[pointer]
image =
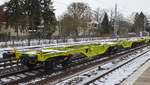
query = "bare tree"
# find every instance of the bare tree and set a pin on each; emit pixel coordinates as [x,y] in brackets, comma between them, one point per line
[81,15]
[97,16]
[125,27]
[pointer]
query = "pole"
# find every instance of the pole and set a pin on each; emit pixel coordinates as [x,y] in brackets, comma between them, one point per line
[115,22]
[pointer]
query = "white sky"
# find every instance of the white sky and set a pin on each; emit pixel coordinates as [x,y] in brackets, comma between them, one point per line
[125,6]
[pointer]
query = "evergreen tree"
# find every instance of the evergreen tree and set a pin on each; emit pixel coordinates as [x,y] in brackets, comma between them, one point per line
[135,25]
[48,16]
[14,15]
[139,21]
[33,14]
[147,28]
[142,20]
[106,27]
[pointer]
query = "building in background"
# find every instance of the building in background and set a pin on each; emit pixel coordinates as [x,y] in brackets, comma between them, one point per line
[7,30]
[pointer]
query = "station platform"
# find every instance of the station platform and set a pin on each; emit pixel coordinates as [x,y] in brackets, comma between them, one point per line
[144,79]
[140,77]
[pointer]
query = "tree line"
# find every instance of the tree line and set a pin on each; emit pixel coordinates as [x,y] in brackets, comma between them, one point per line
[79,16]
[37,17]
[31,16]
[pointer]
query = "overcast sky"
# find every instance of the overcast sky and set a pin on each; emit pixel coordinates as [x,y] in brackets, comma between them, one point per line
[124,6]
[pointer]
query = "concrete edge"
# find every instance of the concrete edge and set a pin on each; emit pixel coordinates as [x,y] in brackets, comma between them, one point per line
[131,80]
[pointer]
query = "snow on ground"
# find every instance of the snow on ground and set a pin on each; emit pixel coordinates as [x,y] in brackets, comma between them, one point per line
[43,41]
[113,78]
[117,76]
[39,79]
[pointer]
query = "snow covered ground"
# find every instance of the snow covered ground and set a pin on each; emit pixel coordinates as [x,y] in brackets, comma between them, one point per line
[54,41]
[46,41]
[113,78]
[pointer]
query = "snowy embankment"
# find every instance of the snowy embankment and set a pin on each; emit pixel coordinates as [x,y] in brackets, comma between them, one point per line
[47,41]
[114,78]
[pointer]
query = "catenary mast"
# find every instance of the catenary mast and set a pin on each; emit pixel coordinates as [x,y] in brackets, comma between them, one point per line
[115,22]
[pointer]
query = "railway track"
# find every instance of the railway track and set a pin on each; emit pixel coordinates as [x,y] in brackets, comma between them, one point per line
[6,63]
[24,75]
[93,81]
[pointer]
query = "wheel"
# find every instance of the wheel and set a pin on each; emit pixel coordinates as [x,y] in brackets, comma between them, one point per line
[50,64]
[5,56]
[8,55]
[67,60]
[66,63]
[25,60]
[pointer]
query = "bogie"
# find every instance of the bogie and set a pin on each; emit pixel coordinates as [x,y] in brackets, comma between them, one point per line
[52,63]
[8,55]
[29,61]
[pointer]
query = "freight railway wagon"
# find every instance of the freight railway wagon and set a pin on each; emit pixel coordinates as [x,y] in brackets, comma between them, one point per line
[50,57]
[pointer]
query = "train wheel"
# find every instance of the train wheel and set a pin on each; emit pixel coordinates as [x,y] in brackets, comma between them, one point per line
[50,64]
[8,55]
[66,63]
[25,60]
[67,60]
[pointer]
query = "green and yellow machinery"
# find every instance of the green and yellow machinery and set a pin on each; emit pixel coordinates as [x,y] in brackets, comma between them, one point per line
[61,55]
